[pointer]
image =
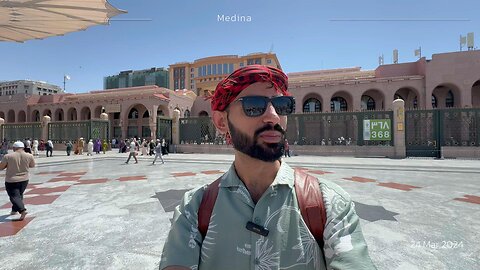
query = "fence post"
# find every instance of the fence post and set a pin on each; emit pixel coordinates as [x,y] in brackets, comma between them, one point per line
[398,129]
[45,121]
[176,127]
[2,121]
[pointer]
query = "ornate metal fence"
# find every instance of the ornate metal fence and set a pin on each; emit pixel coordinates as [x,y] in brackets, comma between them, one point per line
[198,130]
[164,129]
[428,130]
[14,132]
[302,129]
[344,128]
[61,132]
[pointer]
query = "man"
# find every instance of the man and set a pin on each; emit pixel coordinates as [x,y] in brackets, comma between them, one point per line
[250,107]
[49,148]
[16,177]
[158,152]
[133,152]
[28,146]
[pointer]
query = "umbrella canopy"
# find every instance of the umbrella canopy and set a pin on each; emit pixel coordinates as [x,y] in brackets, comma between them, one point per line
[22,20]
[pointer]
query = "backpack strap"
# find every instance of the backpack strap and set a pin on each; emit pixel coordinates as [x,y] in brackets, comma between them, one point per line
[206,206]
[310,202]
[309,197]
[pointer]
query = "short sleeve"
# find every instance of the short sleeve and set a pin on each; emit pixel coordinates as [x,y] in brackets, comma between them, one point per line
[345,246]
[184,241]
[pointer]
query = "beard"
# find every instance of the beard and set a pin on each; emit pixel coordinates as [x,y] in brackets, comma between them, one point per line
[269,152]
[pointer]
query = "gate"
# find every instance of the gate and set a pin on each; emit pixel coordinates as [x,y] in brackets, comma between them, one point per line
[422,133]
[428,130]
[61,132]
[14,132]
[164,129]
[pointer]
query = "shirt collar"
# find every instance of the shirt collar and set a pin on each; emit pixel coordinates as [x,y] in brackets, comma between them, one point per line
[285,176]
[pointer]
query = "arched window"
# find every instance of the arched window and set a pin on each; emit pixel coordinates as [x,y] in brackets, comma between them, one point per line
[133,114]
[186,114]
[203,113]
[434,101]
[146,114]
[312,105]
[449,101]
[338,104]
[368,103]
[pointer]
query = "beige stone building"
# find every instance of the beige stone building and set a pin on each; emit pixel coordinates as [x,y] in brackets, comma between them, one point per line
[203,75]
[446,80]
[132,111]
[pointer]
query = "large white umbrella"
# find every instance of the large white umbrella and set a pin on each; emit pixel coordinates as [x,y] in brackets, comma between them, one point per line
[22,20]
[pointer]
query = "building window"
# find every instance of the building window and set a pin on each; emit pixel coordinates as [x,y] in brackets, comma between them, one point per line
[199,72]
[230,68]
[219,68]
[434,101]
[192,70]
[214,69]
[241,64]
[338,104]
[269,61]
[368,103]
[225,68]
[133,114]
[312,105]
[209,69]
[449,101]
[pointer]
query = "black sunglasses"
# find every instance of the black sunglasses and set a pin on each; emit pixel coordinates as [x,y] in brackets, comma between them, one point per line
[254,106]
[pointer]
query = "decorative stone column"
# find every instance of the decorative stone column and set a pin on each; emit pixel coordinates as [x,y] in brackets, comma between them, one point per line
[2,121]
[45,120]
[176,127]
[398,128]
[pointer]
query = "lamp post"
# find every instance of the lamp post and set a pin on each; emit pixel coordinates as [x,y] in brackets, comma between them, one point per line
[65,78]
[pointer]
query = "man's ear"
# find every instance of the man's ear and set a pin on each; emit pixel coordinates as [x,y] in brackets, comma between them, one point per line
[220,121]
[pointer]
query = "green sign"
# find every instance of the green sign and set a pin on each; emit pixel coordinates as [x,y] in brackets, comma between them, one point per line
[377,130]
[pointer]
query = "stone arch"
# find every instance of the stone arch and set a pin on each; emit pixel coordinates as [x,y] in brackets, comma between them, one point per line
[409,95]
[372,99]
[136,127]
[312,103]
[203,113]
[476,94]
[72,114]
[97,111]
[85,113]
[59,115]
[22,117]
[341,101]
[47,112]
[447,95]
[35,116]
[2,115]
[11,116]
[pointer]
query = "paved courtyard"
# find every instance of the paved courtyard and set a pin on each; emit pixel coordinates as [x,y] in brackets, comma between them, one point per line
[99,213]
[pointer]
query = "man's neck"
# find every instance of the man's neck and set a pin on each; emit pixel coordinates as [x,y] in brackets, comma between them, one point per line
[257,175]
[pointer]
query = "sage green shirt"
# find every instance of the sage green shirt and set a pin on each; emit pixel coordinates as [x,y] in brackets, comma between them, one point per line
[289,244]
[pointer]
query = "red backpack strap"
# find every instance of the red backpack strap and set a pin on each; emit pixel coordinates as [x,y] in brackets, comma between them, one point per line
[206,206]
[310,202]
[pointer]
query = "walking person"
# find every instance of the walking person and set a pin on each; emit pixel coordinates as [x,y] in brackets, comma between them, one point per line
[4,148]
[104,146]
[17,176]
[69,147]
[49,147]
[286,147]
[158,152]
[97,146]
[35,147]
[81,144]
[133,153]
[90,147]
[262,213]
[151,146]
[28,146]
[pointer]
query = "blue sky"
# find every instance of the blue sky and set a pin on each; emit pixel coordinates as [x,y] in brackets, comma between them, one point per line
[305,35]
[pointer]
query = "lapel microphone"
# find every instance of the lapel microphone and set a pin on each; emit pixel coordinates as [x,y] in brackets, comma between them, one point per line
[258,229]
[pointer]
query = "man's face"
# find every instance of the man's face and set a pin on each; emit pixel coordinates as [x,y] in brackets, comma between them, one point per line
[259,137]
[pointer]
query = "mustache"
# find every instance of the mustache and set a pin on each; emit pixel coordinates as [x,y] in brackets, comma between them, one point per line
[267,127]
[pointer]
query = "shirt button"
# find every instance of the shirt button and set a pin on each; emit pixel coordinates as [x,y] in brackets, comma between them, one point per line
[257,220]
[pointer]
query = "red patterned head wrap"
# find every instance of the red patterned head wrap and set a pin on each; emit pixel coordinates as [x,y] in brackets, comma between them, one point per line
[229,88]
